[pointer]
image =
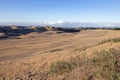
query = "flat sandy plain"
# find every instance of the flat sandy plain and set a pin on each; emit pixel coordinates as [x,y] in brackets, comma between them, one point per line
[30,57]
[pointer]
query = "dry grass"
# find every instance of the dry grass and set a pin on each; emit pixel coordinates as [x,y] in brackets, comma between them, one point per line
[103,66]
[70,56]
[111,40]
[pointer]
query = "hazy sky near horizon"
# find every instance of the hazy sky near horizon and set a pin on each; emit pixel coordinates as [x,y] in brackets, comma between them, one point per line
[59,10]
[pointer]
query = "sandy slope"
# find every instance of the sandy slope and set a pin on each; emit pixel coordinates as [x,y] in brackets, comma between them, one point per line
[37,51]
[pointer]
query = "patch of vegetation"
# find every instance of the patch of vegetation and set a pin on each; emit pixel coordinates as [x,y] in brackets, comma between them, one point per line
[116,28]
[104,64]
[111,40]
[60,67]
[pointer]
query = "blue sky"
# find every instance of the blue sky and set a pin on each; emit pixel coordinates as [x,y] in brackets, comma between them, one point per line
[59,10]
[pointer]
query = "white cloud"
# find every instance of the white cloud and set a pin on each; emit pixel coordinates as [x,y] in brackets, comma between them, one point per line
[60,21]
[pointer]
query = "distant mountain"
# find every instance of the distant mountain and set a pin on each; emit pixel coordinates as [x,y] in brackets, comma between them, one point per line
[78,24]
[16,31]
[64,24]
